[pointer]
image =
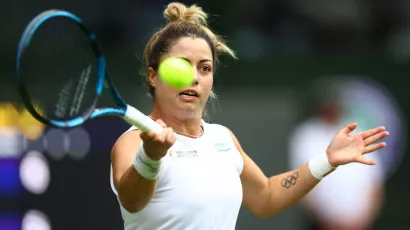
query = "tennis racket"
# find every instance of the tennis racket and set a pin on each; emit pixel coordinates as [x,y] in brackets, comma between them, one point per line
[61,74]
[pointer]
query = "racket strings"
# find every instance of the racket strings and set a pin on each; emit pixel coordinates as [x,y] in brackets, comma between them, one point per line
[59,69]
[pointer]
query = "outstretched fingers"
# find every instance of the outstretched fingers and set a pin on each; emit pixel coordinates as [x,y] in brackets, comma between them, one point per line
[374,147]
[375,137]
[371,132]
[349,128]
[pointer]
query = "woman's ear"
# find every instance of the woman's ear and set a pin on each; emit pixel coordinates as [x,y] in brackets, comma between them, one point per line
[152,77]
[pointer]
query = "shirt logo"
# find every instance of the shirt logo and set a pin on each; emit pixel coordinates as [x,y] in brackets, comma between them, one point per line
[222,147]
[185,153]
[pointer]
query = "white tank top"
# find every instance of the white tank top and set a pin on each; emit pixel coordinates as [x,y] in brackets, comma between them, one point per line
[199,187]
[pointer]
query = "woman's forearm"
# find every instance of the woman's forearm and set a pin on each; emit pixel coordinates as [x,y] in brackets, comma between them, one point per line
[288,188]
[134,191]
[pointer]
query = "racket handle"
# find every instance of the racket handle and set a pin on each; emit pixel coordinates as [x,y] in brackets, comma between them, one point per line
[134,117]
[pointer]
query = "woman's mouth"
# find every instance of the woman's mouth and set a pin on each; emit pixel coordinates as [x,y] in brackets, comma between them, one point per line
[189,95]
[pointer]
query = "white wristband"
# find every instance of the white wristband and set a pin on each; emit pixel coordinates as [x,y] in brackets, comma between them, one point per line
[146,167]
[320,167]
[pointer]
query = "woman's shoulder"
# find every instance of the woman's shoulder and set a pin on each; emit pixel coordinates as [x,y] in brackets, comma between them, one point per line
[130,137]
[217,129]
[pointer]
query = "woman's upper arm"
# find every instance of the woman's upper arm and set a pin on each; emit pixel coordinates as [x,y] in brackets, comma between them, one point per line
[254,182]
[122,154]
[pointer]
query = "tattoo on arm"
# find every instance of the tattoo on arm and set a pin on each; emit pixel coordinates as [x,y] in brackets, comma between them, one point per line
[290,180]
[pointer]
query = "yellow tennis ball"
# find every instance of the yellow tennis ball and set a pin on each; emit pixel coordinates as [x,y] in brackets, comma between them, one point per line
[176,72]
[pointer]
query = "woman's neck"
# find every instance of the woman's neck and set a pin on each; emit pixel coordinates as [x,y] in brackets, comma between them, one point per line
[189,126]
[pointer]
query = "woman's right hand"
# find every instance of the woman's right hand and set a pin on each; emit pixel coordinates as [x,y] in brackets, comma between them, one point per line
[156,145]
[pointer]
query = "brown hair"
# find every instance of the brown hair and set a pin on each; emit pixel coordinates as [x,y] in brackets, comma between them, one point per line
[182,21]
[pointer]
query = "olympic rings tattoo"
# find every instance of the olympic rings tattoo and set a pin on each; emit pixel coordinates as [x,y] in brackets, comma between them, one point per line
[290,180]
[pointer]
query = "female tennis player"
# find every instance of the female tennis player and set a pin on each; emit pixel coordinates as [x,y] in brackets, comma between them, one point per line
[195,175]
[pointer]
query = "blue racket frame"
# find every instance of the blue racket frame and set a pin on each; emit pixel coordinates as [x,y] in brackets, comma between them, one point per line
[102,76]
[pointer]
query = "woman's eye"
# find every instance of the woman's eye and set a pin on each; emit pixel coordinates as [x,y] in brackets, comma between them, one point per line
[206,68]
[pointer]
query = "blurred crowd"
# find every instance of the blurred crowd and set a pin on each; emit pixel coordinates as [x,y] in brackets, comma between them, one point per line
[352,197]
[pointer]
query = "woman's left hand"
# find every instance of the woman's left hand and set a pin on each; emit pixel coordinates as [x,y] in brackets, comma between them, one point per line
[345,148]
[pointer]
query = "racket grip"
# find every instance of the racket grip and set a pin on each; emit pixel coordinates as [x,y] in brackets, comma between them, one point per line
[136,118]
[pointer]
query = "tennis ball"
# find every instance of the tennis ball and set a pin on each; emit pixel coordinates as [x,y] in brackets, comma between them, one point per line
[176,72]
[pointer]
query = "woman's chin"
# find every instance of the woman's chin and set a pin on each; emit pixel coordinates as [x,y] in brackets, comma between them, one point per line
[189,111]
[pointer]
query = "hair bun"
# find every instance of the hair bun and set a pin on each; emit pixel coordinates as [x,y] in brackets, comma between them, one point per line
[177,11]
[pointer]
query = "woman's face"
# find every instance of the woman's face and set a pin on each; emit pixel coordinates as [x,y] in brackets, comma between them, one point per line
[190,101]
